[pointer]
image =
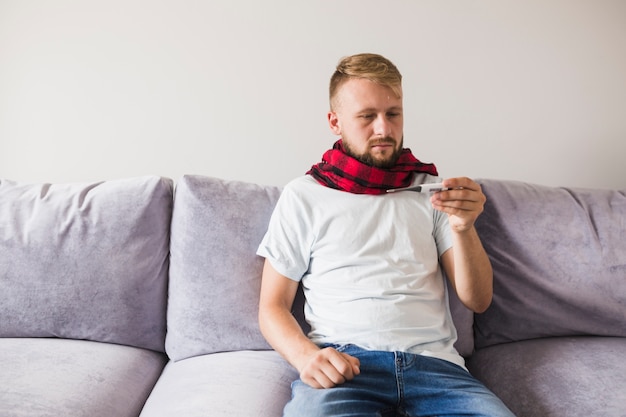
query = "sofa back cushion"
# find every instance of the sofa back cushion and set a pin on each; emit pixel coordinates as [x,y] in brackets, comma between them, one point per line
[559,260]
[85,261]
[215,274]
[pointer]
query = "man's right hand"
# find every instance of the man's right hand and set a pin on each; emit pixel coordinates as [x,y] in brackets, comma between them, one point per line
[328,368]
[319,368]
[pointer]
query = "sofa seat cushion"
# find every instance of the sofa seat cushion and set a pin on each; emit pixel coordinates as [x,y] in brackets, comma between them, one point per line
[242,384]
[61,377]
[566,376]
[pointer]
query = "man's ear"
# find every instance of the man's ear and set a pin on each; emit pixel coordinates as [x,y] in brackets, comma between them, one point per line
[333,122]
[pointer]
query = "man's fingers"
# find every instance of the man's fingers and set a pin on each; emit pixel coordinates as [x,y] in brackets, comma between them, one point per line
[461,183]
[329,368]
[465,195]
[355,362]
[463,203]
[346,365]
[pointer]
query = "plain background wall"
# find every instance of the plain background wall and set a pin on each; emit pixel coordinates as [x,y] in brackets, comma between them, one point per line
[91,90]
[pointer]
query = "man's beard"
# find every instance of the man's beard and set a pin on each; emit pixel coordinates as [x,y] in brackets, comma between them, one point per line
[368,159]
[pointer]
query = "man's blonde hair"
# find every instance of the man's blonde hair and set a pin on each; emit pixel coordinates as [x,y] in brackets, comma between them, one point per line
[373,67]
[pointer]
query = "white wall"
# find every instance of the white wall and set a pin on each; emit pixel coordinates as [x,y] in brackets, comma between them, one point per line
[526,90]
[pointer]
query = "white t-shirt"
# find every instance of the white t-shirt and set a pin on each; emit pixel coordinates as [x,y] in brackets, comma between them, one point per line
[369,266]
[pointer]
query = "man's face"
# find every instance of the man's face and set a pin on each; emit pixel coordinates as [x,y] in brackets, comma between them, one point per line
[369,119]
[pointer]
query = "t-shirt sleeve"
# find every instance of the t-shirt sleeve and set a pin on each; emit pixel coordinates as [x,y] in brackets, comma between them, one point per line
[441,232]
[287,242]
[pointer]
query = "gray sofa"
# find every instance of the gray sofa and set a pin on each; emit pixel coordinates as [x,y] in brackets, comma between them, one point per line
[139,297]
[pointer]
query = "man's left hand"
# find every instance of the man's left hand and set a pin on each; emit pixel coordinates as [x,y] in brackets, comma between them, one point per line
[463,202]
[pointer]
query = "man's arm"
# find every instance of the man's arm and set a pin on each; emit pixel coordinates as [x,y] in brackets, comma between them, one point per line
[319,368]
[466,264]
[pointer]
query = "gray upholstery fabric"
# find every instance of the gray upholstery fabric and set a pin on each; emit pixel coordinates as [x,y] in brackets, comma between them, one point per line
[463,319]
[559,377]
[215,274]
[58,377]
[85,261]
[559,262]
[228,384]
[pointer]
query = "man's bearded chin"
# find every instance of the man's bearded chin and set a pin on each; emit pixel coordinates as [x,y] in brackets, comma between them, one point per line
[368,159]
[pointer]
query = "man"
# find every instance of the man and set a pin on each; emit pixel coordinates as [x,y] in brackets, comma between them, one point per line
[381,339]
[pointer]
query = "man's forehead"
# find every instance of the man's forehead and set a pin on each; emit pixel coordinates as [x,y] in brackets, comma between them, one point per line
[365,94]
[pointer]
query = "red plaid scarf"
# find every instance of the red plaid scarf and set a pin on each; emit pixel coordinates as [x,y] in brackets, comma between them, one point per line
[343,172]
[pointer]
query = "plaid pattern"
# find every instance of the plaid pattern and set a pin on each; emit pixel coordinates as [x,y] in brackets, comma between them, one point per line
[340,171]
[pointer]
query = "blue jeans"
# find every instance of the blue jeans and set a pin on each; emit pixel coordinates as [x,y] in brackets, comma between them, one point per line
[398,384]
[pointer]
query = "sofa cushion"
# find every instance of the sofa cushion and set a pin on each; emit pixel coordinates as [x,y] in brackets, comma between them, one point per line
[559,260]
[563,376]
[215,274]
[59,377]
[85,261]
[463,319]
[226,384]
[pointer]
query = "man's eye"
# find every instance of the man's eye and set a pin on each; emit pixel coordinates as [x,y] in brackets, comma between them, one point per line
[393,114]
[367,116]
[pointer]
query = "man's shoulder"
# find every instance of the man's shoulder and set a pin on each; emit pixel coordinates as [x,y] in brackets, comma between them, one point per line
[301,181]
[304,185]
[298,189]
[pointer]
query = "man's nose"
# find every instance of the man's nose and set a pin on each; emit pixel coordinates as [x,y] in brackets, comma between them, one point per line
[382,126]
